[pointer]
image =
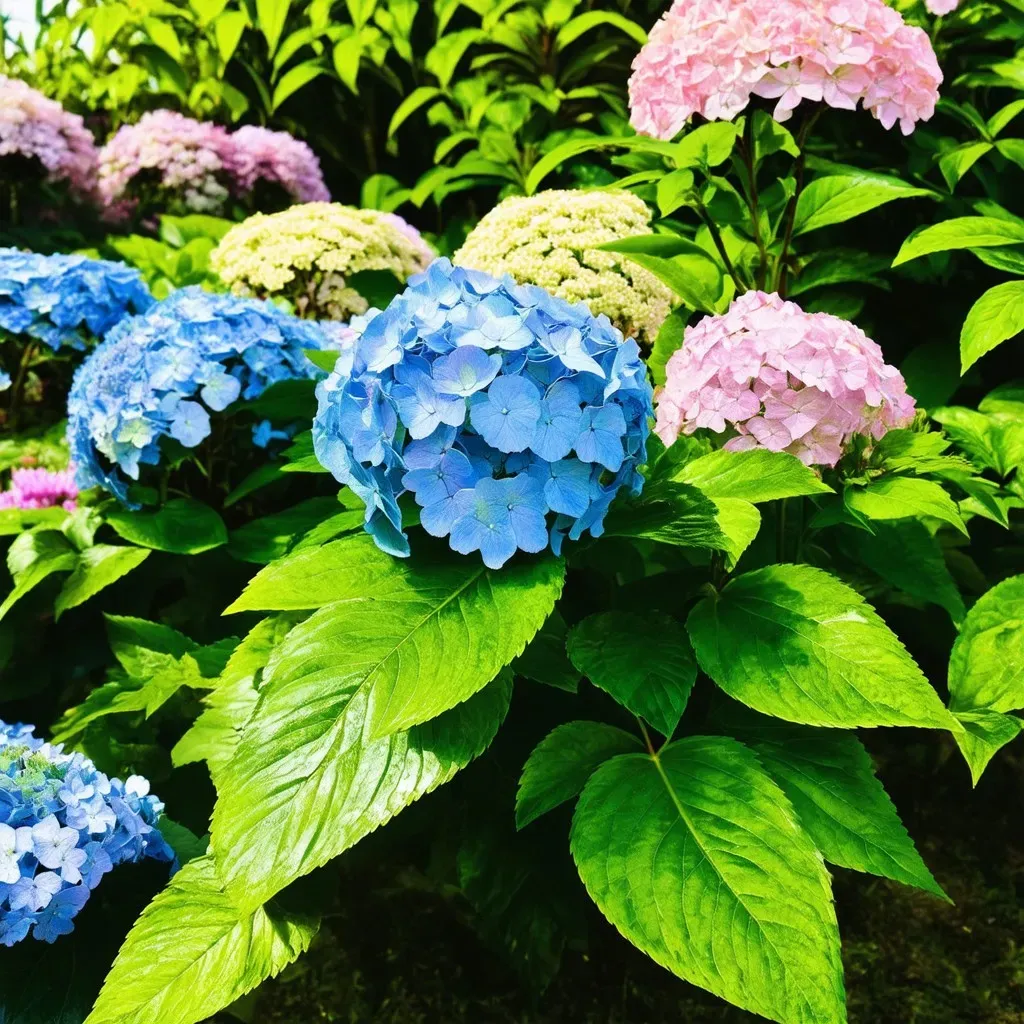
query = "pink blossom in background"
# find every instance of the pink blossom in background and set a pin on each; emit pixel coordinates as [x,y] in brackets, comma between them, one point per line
[40,488]
[709,57]
[256,154]
[426,250]
[782,379]
[940,7]
[190,158]
[32,125]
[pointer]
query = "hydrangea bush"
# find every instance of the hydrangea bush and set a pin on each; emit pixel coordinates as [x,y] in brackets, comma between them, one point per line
[38,130]
[63,826]
[550,240]
[782,379]
[308,253]
[162,374]
[710,56]
[513,417]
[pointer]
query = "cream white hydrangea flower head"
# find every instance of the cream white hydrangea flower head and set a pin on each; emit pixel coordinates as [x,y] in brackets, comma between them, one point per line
[307,253]
[549,240]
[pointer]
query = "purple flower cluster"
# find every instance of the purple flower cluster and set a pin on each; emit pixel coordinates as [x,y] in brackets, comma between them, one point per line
[63,826]
[37,128]
[198,165]
[40,488]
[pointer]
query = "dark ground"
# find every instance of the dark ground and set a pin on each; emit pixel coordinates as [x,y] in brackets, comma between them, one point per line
[408,956]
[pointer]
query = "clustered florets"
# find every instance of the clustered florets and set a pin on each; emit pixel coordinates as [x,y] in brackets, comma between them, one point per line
[63,826]
[709,57]
[200,164]
[59,298]
[162,374]
[782,379]
[37,128]
[550,240]
[307,253]
[40,488]
[494,404]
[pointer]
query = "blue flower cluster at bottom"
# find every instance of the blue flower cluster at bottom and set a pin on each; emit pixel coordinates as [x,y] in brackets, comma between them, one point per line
[63,826]
[513,417]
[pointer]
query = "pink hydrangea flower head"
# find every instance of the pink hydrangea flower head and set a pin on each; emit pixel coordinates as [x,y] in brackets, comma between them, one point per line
[941,7]
[782,379]
[189,157]
[40,488]
[256,154]
[709,57]
[34,126]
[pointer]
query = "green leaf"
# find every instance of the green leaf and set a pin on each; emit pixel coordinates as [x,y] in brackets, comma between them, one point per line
[644,661]
[545,660]
[446,53]
[831,783]
[672,513]
[960,233]
[133,640]
[984,734]
[419,97]
[986,667]
[31,558]
[227,709]
[307,781]
[670,338]
[347,57]
[193,951]
[794,642]
[755,476]
[260,477]
[1008,258]
[17,520]
[228,29]
[706,146]
[97,568]
[295,79]
[955,163]
[270,18]
[837,198]
[183,526]
[322,359]
[559,766]
[905,554]
[184,842]
[163,35]
[901,497]
[697,280]
[997,316]
[588,21]
[740,523]
[263,540]
[120,695]
[697,858]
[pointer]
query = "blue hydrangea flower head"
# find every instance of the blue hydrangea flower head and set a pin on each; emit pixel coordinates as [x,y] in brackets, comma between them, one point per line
[163,373]
[64,300]
[512,417]
[63,826]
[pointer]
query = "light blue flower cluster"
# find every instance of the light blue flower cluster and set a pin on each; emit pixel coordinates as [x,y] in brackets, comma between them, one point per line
[162,374]
[64,299]
[494,404]
[63,826]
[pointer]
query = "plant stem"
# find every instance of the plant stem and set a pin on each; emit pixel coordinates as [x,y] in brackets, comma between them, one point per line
[716,237]
[749,152]
[647,738]
[19,385]
[780,531]
[783,270]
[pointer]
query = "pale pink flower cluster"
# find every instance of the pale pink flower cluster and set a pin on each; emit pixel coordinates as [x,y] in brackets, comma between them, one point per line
[188,156]
[40,488]
[941,7]
[32,125]
[259,154]
[709,56]
[782,379]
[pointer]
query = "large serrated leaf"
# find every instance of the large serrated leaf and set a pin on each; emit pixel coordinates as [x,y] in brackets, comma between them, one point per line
[193,951]
[696,856]
[307,782]
[794,642]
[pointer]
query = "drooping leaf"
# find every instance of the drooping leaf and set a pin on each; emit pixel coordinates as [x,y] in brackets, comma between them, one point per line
[644,661]
[121,694]
[97,568]
[960,233]
[559,766]
[997,316]
[697,857]
[31,558]
[307,781]
[794,642]
[545,659]
[837,198]
[674,513]
[182,526]
[740,523]
[194,951]
[984,734]
[901,497]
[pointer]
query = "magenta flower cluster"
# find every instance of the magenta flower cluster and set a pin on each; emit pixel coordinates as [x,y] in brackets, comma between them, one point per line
[35,127]
[258,154]
[782,379]
[709,57]
[40,488]
[202,164]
